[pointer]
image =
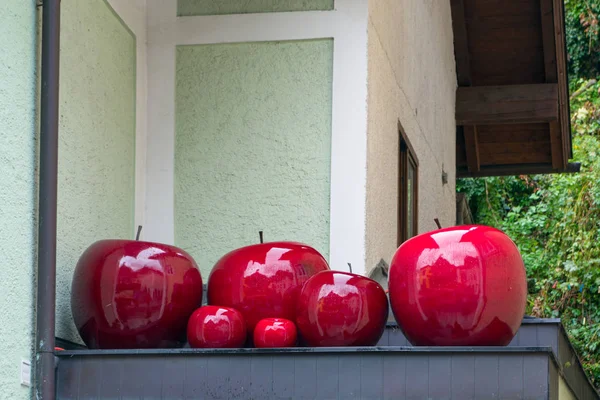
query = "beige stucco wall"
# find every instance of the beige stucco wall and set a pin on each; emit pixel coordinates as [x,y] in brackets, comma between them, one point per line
[412,78]
[564,393]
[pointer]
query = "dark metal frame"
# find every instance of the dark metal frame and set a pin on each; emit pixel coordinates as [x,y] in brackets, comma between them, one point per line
[48,168]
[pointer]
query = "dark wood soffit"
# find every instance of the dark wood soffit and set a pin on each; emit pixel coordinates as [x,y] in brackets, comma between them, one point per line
[511,72]
[461,44]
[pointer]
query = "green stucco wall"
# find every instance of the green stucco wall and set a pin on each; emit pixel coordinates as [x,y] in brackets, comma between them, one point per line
[97,139]
[219,7]
[253,142]
[17,190]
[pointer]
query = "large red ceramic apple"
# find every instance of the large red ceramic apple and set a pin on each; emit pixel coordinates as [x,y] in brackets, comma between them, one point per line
[341,309]
[463,286]
[216,327]
[275,332]
[263,280]
[134,294]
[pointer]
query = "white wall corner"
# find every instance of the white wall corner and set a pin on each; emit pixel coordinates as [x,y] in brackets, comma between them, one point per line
[133,14]
[349,137]
[160,145]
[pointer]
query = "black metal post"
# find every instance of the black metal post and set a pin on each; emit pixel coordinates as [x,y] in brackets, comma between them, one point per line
[48,168]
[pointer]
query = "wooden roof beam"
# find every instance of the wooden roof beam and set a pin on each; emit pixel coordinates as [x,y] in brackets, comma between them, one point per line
[489,105]
[472,148]
[547,18]
[561,65]
[559,154]
[556,147]
[461,43]
[506,170]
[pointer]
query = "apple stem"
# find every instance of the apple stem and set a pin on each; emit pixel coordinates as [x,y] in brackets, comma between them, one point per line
[139,231]
[437,222]
[350,266]
[260,235]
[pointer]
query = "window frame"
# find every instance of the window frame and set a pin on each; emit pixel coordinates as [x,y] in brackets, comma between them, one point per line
[406,158]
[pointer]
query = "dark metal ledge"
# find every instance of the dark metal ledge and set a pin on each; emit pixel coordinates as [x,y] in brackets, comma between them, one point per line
[324,373]
[529,368]
[307,350]
[533,332]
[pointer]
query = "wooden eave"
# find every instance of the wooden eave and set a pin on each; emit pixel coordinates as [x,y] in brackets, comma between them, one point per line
[512,101]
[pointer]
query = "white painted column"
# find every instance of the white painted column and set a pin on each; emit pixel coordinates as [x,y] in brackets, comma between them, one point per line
[347,25]
[133,14]
[160,150]
[349,137]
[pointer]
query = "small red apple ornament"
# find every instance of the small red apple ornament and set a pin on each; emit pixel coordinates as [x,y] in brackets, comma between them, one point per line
[216,327]
[341,309]
[275,332]
[263,280]
[458,286]
[129,294]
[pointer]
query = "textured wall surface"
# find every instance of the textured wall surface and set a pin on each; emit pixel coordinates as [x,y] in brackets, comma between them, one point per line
[219,7]
[411,79]
[252,148]
[97,139]
[18,231]
[564,393]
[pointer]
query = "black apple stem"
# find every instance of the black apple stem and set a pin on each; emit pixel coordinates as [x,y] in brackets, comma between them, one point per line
[139,231]
[350,266]
[437,222]
[260,234]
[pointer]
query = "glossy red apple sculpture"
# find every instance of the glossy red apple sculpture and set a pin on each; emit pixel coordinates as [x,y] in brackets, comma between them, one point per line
[459,286]
[275,332]
[216,327]
[129,294]
[263,280]
[341,309]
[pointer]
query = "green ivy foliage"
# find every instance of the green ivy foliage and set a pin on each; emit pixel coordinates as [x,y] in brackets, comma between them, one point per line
[555,222]
[583,37]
